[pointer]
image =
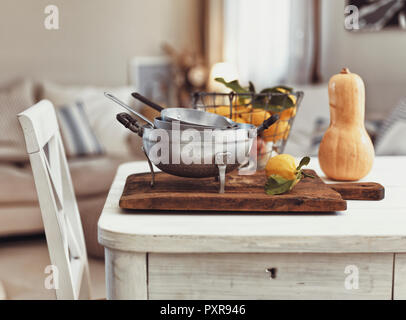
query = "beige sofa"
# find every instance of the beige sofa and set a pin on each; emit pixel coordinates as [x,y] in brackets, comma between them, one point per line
[19,211]
[92,176]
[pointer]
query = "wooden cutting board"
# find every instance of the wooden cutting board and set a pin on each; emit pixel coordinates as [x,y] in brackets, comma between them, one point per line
[243,193]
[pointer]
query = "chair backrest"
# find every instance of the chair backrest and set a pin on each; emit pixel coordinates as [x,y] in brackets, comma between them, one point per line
[60,214]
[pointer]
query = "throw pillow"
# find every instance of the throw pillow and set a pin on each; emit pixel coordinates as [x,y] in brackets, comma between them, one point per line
[78,137]
[101,114]
[390,138]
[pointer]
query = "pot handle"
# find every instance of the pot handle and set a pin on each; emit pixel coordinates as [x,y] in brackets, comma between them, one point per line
[129,122]
[128,108]
[267,123]
[146,101]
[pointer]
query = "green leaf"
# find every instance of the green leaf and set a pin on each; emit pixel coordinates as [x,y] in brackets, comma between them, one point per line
[260,102]
[270,90]
[279,179]
[278,185]
[276,103]
[233,85]
[304,162]
[277,89]
[251,87]
[282,100]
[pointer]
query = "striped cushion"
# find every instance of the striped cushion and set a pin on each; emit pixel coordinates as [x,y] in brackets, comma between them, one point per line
[397,114]
[390,138]
[77,135]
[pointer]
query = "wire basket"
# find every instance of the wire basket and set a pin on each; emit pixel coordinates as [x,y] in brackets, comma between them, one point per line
[255,108]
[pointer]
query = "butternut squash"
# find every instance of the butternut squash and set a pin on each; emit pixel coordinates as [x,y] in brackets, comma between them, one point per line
[346,151]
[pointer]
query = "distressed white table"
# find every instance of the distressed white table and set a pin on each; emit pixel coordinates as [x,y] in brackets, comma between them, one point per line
[356,254]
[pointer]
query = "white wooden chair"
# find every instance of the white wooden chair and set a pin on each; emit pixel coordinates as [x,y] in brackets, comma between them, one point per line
[60,214]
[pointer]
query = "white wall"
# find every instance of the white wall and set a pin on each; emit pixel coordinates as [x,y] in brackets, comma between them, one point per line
[378,57]
[95,40]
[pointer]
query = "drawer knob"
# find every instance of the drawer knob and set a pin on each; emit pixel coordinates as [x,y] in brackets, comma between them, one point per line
[272,272]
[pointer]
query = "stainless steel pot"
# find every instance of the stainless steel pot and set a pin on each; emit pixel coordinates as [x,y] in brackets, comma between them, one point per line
[212,158]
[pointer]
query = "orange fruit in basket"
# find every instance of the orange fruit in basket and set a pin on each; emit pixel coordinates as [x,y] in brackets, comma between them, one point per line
[278,131]
[241,109]
[238,112]
[288,113]
[221,110]
[225,110]
[256,116]
[238,119]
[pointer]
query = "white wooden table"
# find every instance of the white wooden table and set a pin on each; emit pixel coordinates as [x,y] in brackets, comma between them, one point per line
[356,254]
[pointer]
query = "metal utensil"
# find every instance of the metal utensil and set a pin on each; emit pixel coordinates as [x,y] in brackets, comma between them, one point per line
[188,116]
[169,125]
[128,108]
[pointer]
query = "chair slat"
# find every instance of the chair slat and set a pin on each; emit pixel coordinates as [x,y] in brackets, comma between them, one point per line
[78,268]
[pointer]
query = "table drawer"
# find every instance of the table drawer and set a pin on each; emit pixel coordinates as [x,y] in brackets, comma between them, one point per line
[270,276]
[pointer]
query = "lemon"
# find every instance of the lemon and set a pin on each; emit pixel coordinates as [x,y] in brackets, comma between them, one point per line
[242,109]
[221,110]
[256,117]
[238,119]
[237,112]
[279,130]
[288,113]
[283,165]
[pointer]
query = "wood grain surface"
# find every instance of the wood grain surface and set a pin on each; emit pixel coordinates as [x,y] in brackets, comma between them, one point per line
[359,190]
[243,194]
